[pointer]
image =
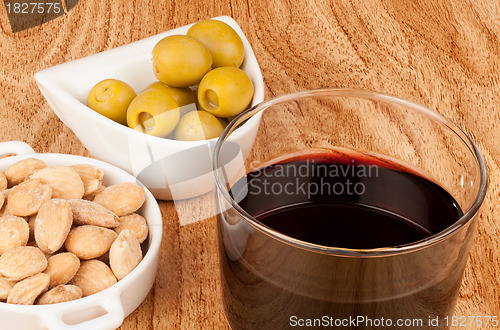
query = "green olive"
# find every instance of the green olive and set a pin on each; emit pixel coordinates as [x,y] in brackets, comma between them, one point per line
[222,41]
[111,98]
[153,112]
[184,97]
[180,61]
[225,92]
[198,125]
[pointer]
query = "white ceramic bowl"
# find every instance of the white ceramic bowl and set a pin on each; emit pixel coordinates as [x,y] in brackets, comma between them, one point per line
[108,308]
[170,169]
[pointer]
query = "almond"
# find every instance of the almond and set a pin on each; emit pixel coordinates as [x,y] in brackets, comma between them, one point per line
[88,241]
[122,199]
[20,171]
[59,294]
[64,180]
[136,224]
[22,262]
[26,198]
[52,225]
[91,177]
[26,291]
[61,268]
[5,287]
[125,254]
[14,232]
[90,213]
[93,276]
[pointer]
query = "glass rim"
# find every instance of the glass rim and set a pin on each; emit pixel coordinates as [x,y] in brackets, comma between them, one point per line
[369,95]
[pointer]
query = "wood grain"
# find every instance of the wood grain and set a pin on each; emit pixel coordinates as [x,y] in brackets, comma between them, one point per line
[443,54]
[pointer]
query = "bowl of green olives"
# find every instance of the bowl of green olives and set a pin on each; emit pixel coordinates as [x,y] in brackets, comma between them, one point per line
[155,107]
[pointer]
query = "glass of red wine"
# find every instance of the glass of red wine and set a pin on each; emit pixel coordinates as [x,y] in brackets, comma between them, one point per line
[348,208]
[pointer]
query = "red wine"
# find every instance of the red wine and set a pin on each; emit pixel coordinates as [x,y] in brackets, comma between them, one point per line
[343,200]
[334,200]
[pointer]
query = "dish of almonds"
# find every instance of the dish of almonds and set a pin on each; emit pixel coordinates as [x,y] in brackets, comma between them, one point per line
[63,235]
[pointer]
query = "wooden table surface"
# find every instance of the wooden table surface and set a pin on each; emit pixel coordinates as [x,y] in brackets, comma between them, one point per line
[443,54]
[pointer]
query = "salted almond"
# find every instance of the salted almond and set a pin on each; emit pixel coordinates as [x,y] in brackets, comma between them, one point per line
[122,198]
[3,181]
[59,294]
[136,224]
[61,268]
[4,210]
[90,213]
[93,276]
[125,254]
[22,262]
[27,197]
[64,180]
[5,287]
[26,291]
[52,225]
[14,232]
[21,170]
[91,177]
[88,242]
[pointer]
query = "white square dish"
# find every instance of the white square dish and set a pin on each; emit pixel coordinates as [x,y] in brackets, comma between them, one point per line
[157,161]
